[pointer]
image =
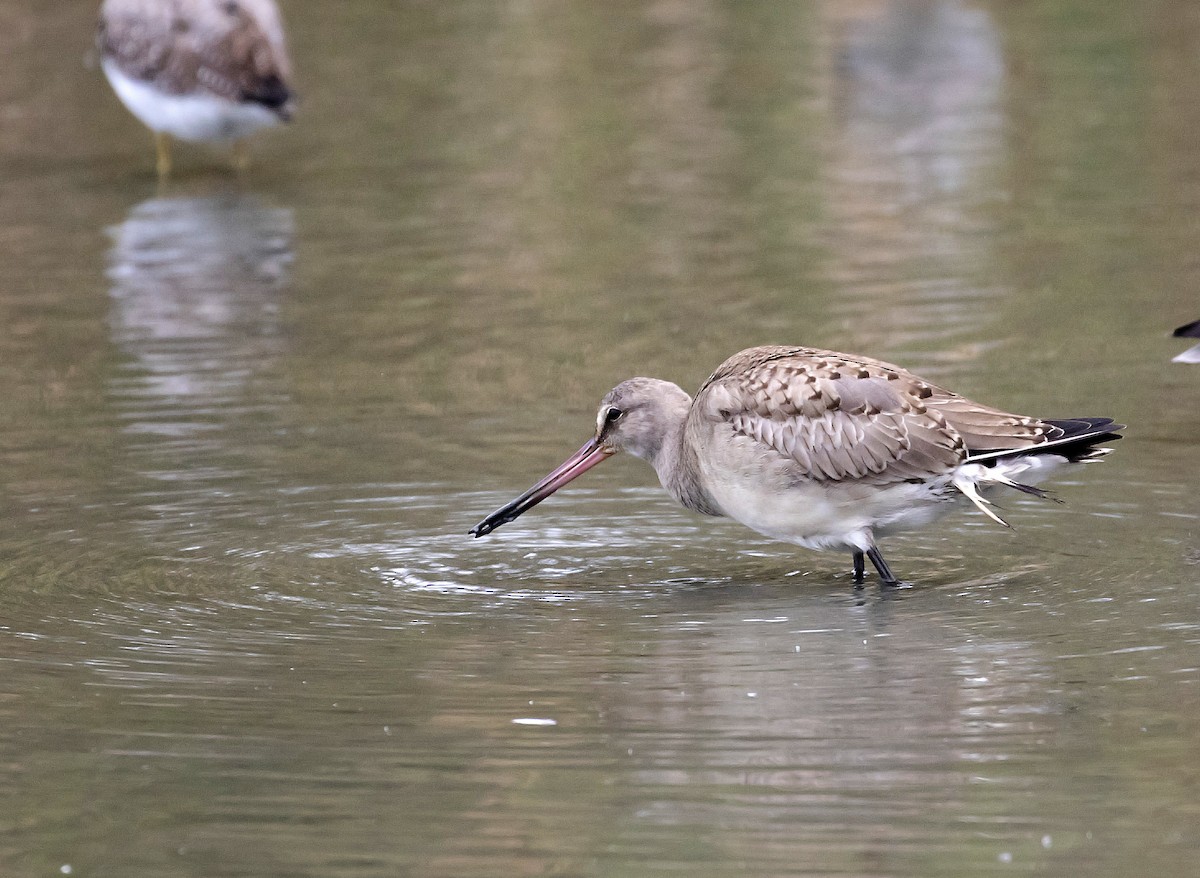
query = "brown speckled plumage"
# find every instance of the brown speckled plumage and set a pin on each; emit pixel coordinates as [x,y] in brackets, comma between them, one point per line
[822,449]
[232,49]
[838,417]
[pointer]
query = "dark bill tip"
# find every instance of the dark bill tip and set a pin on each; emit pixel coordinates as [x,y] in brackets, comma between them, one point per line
[590,454]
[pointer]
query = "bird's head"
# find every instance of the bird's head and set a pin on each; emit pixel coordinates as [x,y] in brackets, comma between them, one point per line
[635,416]
[638,414]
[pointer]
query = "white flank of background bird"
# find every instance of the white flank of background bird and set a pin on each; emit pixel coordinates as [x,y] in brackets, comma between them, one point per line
[210,71]
[822,449]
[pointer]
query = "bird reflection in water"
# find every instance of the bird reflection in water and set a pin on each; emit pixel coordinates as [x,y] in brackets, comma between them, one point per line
[196,288]
[916,104]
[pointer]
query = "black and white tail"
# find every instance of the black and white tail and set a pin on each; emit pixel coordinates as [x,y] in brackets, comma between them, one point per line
[1074,440]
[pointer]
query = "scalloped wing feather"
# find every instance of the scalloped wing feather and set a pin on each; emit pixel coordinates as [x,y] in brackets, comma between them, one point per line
[987,429]
[834,417]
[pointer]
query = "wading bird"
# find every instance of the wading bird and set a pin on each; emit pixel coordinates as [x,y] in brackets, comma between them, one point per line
[821,449]
[210,71]
[1192,354]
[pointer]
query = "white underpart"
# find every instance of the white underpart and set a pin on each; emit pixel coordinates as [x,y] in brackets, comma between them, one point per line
[823,515]
[849,515]
[195,117]
[1191,355]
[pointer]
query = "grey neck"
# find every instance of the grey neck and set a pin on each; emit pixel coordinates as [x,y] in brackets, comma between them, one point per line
[679,470]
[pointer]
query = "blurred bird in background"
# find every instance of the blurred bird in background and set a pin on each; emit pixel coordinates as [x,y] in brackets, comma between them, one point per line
[211,71]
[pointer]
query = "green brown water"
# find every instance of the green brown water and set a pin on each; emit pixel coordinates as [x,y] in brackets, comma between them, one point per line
[246,425]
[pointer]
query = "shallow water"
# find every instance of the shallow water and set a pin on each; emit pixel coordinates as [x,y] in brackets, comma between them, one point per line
[248,422]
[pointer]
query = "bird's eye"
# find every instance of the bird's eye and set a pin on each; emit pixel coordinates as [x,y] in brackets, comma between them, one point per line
[612,415]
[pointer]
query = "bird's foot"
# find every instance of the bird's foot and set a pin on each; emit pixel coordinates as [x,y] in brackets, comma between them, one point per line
[887,579]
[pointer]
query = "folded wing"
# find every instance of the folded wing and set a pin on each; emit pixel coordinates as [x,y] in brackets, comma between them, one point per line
[838,418]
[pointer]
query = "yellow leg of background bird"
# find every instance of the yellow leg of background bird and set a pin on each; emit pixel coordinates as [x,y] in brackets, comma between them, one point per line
[241,156]
[162,146]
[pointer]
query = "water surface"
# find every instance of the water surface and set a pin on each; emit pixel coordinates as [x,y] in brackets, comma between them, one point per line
[248,422]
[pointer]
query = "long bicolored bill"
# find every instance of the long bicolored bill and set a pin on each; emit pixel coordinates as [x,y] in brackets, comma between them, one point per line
[576,465]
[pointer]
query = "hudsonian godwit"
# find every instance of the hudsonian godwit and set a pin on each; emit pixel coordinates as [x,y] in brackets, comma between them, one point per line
[822,449]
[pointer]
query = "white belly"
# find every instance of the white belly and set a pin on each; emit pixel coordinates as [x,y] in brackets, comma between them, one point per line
[820,515]
[851,515]
[194,117]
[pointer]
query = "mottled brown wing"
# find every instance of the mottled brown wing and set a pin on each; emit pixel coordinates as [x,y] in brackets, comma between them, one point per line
[987,429]
[214,46]
[837,418]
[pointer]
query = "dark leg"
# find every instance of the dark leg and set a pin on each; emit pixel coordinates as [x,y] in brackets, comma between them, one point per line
[859,568]
[885,573]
